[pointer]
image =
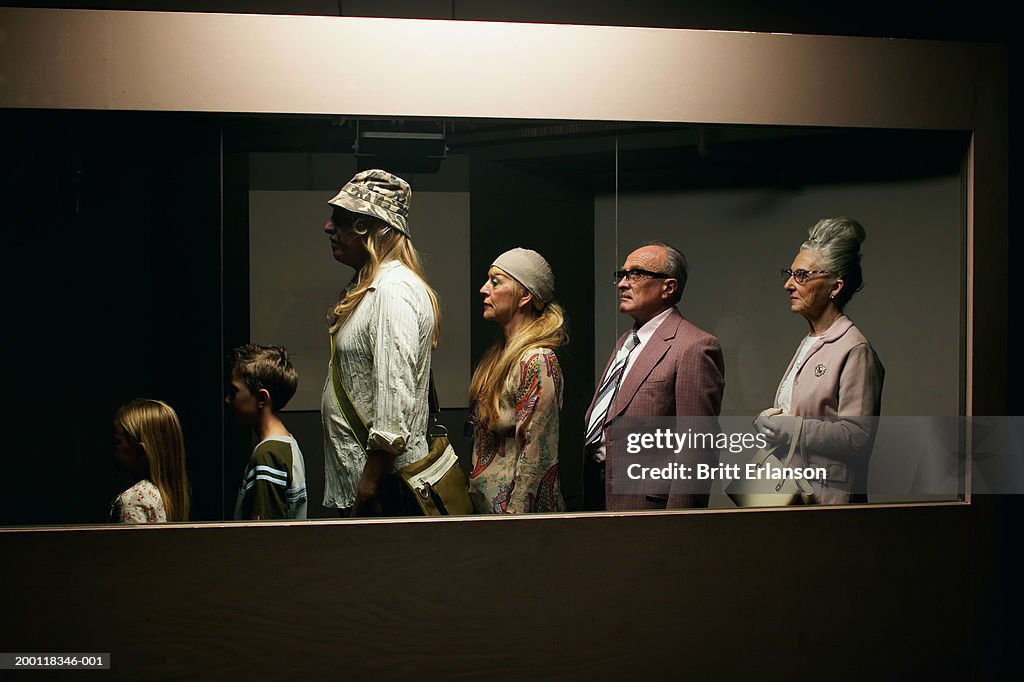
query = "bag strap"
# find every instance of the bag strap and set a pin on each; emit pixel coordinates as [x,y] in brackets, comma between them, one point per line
[794,441]
[348,410]
[434,427]
[434,408]
[806,490]
[354,419]
[764,453]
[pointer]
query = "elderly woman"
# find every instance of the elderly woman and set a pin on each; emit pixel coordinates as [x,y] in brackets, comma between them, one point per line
[516,391]
[834,380]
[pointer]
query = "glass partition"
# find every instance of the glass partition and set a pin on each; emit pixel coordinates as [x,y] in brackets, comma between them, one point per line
[739,201]
[170,238]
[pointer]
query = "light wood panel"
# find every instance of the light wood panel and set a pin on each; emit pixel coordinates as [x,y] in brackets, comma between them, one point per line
[346,65]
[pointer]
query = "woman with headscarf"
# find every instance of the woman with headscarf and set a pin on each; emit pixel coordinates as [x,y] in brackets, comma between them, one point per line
[516,390]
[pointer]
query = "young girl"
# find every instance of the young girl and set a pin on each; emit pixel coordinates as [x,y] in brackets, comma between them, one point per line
[149,444]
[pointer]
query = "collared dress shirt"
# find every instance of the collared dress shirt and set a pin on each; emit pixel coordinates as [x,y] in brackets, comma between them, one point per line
[644,333]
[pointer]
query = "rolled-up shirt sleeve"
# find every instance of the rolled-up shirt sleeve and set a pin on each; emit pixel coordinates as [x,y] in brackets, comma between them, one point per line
[398,359]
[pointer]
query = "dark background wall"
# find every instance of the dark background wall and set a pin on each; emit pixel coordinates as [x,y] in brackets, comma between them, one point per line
[112,246]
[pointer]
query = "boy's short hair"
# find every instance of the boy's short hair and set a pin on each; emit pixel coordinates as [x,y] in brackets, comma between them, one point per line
[266,367]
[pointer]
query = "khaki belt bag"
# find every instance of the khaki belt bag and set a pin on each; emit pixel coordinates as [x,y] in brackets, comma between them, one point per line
[437,481]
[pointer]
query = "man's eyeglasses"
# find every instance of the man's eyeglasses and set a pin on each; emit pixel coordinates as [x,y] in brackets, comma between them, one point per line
[801,276]
[636,274]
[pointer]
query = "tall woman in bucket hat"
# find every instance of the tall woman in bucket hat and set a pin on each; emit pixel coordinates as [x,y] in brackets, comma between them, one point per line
[516,390]
[382,331]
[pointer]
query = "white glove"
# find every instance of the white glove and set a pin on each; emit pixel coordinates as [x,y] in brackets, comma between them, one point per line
[773,425]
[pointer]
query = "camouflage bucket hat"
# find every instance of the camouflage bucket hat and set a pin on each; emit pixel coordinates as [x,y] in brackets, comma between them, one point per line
[379,194]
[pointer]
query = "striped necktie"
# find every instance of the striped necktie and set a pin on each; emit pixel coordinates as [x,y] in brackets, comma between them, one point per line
[609,388]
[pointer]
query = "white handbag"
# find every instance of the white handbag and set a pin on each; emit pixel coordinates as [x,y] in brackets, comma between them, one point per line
[754,491]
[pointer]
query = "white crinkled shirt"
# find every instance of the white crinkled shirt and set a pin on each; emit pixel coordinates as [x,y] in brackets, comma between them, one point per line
[383,353]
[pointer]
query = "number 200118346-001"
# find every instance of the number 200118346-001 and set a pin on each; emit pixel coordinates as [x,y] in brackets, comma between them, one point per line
[38,661]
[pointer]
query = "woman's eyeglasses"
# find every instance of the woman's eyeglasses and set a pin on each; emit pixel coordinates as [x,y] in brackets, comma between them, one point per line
[801,276]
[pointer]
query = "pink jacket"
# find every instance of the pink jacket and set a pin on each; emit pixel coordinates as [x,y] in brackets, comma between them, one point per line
[836,386]
[679,371]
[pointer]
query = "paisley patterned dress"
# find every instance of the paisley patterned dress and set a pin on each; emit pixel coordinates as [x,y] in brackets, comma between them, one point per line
[515,462]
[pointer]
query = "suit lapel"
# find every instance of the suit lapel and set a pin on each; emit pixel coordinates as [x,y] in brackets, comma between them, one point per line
[838,328]
[650,355]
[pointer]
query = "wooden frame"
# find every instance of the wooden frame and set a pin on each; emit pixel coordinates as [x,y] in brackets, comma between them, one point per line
[604,595]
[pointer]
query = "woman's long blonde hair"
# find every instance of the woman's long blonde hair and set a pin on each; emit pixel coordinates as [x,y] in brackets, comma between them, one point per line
[382,243]
[155,426]
[497,368]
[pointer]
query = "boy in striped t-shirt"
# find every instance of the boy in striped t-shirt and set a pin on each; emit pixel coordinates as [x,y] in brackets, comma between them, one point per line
[263,380]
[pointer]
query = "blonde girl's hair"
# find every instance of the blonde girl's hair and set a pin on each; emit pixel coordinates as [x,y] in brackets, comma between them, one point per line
[154,425]
[497,368]
[382,243]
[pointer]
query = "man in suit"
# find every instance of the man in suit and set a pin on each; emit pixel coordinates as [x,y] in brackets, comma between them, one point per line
[663,366]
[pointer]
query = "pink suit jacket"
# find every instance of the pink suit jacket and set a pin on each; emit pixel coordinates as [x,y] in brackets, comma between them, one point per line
[679,372]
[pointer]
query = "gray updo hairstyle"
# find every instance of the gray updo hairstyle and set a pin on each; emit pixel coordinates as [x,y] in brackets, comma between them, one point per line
[837,242]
